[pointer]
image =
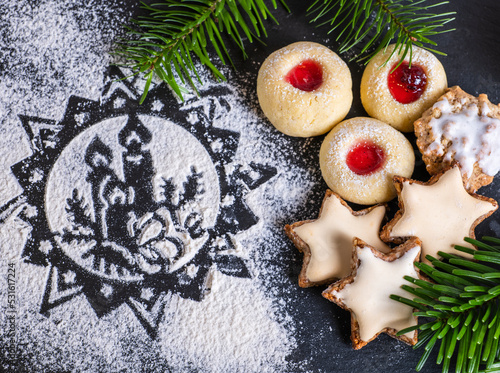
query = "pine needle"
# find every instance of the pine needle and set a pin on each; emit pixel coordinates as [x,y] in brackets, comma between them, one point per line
[369,26]
[462,306]
[165,41]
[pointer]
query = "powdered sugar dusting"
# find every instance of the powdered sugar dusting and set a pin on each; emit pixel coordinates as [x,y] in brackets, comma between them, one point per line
[377,98]
[49,51]
[223,343]
[304,113]
[374,187]
[379,82]
[58,49]
[54,49]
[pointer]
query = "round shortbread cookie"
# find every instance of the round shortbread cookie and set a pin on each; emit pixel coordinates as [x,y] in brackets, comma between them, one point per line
[296,112]
[355,140]
[376,95]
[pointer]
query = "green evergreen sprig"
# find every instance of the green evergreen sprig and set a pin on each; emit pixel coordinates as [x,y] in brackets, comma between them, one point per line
[461,306]
[377,23]
[166,40]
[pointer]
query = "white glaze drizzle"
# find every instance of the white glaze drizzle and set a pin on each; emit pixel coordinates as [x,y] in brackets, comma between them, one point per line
[474,136]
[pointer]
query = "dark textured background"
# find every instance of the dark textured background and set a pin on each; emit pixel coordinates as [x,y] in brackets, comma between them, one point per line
[472,62]
[323,329]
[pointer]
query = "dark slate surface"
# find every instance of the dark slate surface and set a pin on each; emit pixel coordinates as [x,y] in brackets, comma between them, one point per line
[322,329]
[471,62]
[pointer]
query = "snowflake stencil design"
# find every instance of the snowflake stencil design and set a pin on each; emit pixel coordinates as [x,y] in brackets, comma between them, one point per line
[132,204]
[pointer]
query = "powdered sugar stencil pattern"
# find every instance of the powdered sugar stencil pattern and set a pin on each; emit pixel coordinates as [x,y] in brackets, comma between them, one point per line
[133,238]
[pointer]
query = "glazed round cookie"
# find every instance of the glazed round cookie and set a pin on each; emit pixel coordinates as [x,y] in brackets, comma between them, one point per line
[399,95]
[304,89]
[359,158]
[464,129]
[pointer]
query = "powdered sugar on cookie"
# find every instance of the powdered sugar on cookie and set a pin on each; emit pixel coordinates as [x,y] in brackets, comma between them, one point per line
[378,100]
[298,112]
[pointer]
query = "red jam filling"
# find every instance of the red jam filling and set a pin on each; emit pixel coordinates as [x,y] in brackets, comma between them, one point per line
[406,83]
[365,158]
[306,76]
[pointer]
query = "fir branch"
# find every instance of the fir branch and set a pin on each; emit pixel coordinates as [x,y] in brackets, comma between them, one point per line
[406,23]
[175,31]
[461,303]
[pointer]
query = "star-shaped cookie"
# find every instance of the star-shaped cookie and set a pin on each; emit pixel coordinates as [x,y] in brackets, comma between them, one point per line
[366,292]
[439,212]
[327,241]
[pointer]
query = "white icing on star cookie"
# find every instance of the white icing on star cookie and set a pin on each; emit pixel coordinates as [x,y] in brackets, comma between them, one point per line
[327,241]
[440,213]
[366,292]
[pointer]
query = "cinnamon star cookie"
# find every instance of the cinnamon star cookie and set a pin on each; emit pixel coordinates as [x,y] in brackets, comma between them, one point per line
[366,292]
[441,212]
[327,241]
